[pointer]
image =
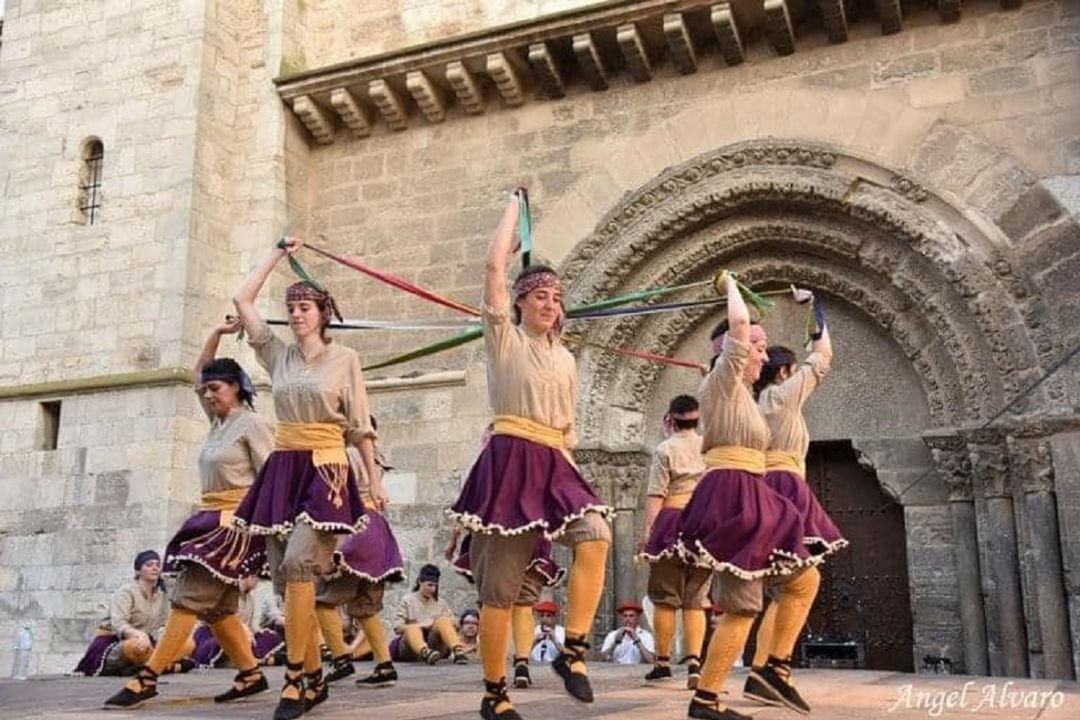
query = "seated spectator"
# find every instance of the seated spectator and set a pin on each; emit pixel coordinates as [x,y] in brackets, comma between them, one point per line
[136,617]
[469,623]
[548,635]
[629,644]
[424,624]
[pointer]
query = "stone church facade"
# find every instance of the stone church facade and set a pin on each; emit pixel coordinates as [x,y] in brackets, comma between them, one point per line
[917,164]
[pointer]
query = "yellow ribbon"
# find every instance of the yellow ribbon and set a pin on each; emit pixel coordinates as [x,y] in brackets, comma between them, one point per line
[736,457]
[678,501]
[326,441]
[789,461]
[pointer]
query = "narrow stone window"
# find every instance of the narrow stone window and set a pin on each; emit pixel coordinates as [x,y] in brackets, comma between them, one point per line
[50,424]
[93,161]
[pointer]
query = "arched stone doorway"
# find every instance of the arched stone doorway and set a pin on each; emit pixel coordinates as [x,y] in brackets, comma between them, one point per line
[936,327]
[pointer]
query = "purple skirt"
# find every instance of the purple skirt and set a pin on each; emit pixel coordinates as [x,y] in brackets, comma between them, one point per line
[736,523]
[542,563]
[518,485]
[267,642]
[664,538]
[372,553]
[226,552]
[289,490]
[820,534]
[93,661]
[207,650]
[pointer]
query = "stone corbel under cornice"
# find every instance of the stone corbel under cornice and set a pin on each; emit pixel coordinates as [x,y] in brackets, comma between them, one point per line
[550,56]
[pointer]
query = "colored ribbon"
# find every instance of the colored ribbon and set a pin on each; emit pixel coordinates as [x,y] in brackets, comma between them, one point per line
[524,227]
[393,281]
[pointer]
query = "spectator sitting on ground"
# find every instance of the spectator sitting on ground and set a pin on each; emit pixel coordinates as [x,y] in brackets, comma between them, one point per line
[548,636]
[424,624]
[629,644]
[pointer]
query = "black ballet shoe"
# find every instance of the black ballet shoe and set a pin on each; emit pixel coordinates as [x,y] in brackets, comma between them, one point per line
[496,694]
[576,684]
[290,708]
[130,699]
[251,682]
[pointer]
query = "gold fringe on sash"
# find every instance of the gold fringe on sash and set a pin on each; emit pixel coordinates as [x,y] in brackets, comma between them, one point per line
[735,457]
[788,461]
[326,441]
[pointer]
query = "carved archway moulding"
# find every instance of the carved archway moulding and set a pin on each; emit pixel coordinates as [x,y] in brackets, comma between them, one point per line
[940,283]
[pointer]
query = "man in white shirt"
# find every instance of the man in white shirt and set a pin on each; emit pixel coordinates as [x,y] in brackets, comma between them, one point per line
[548,636]
[629,644]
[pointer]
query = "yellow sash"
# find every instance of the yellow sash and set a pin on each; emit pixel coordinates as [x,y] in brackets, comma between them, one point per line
[326,441]
[677,501]
[224,500]
[735,457]
[526,429]
[789,461]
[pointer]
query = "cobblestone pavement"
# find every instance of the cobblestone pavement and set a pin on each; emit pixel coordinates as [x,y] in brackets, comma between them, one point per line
[452,692]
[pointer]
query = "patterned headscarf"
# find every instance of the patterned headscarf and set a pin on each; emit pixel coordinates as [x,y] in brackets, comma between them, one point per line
[306,291]
[525,285]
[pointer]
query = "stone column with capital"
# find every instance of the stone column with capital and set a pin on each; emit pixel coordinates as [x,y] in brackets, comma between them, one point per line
[953,465]
[1006,631]
[1032,468]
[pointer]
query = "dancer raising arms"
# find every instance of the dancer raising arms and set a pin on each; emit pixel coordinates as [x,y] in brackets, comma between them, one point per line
[782,390]
[524,482]
[734,523]
[210,555]
[306,492]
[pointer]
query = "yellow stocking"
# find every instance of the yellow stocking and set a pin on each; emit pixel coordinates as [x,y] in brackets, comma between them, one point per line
[793,607]
[376,638]
[522,621]
[299,620]
[414,639]
[444,628]
[693,625]
[494,642]
[330,623]
[584,589]
[174,641]
[765,633]
[233,638]
[664,627]
[727,644]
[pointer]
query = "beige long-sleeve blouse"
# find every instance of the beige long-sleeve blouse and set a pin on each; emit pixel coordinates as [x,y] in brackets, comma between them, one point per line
[729,415]
[531,376]
[131,609]
[328,390]
[782,406]
[234,450]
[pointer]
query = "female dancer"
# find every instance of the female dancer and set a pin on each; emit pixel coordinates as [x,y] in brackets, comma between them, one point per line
[783,389]
[734,523]
[210,555]
[306,492]
[524,482]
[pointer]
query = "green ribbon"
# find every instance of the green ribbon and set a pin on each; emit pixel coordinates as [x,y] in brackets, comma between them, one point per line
[525,227]
[298,268]
[447,344]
